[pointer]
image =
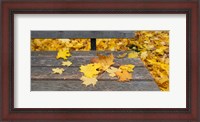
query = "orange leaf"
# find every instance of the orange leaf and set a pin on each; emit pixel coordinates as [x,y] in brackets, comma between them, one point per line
[123,75]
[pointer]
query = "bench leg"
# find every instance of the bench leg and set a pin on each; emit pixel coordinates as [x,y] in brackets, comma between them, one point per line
[93,43]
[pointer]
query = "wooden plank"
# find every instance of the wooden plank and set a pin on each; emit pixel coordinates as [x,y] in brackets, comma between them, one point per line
[62,85]
[78,61]
[82,34]
[76,53]
[140,73]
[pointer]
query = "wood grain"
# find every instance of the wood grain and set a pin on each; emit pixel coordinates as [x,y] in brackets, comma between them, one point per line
[140,73]
[76,53]
[42,63]
[63,85]
[79,60]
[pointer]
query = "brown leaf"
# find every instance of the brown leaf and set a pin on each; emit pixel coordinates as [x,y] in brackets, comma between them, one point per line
[105,61]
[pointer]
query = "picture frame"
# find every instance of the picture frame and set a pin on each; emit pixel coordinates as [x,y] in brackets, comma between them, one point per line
[11,7]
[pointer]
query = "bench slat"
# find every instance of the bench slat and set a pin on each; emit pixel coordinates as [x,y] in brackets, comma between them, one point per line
[78,61]
[82,34]
[76,53]
[52,85]
[140,73]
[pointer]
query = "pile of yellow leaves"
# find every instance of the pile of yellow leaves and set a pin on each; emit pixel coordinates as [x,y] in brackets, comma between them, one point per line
[153,49]
[101,64]
[112,44]
[60,44]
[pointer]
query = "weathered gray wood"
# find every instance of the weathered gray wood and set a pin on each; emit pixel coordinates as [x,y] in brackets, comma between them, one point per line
[82,34]
[42,78]
[78,61]
[62,85]
[77,53]
[140,73]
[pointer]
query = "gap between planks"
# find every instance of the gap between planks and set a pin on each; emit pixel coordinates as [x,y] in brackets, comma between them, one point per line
[74,73]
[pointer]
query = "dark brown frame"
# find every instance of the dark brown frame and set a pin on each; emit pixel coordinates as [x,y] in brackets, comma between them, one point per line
[11,7]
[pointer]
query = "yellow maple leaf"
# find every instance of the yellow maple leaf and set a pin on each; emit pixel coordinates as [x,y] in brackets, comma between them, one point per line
[66,63]
[123,75]
[58,70]
[133,55]
[90,70]
[87,81]
[128,67]
[63,54]
[112,71]
[143,55]
[105,61]
[122,55]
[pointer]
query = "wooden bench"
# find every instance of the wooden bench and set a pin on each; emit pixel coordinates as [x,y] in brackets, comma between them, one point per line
[42,78]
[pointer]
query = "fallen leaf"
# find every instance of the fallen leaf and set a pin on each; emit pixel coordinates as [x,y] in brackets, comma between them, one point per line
[63,54]
[105,61]
[133,55]
[87,81]
[128,67]
[58,70]
[144,55]
[66,63]
[90,70]
[94,60]
[123,75]
[122,55]
[112,71]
